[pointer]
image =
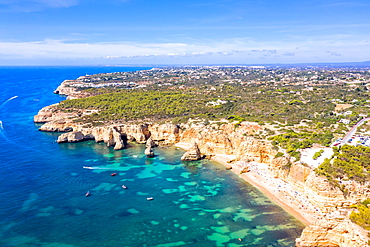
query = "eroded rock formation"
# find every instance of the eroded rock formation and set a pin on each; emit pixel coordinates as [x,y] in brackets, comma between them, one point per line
[75,136]
[150,143]
[235,143]
[149,152]
[192,154]
[331,233]
[68,88]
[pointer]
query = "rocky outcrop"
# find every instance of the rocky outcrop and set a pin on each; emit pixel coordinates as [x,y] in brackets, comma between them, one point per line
[150,143]
[192,154]
[164,134]
[149,152]
[58,127]
[229,141]
[117,140]
[240,148]
[68,88]
[331,233]
[75,136]
[51,113]
[135,132]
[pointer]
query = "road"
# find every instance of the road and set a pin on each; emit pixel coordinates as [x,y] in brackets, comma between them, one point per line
[353,130]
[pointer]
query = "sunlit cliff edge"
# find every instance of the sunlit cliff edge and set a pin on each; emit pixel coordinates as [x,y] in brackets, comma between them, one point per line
[327,206]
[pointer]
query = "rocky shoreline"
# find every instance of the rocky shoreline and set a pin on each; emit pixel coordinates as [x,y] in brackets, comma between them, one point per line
[290,184]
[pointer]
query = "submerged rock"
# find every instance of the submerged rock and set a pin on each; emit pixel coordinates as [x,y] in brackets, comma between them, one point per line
[192,154]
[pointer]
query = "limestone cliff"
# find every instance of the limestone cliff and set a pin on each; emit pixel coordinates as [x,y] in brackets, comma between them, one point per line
[236,143]
[192,154]
[331,233]
[69,89]
[52,114]
[75,136]
[229,140]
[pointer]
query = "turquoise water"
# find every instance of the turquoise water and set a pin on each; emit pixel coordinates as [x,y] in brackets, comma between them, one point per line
[43,185]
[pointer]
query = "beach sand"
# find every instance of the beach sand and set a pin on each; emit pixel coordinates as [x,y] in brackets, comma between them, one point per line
[276,190]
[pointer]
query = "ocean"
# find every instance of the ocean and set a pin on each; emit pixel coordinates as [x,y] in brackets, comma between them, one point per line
[43,185]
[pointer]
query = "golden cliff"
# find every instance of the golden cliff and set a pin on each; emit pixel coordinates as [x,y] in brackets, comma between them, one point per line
[332,227]
[69,88]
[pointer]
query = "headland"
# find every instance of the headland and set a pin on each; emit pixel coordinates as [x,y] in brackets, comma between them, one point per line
[257,151]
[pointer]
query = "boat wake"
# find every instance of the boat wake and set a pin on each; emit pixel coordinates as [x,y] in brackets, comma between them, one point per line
[2,132]
[8,101]
[95,168]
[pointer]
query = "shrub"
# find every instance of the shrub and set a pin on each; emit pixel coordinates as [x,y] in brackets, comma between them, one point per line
[318,154]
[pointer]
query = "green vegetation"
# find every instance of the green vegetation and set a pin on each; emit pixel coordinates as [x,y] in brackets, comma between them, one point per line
[318,154]
[299,103]
[295,102]
[130,105]
[292,140]
[279,154]
[297,106]
[243,101]
[362,216]
[233,118]
[350,163]
[279,95]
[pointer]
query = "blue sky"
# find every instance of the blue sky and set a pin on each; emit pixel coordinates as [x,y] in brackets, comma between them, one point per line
[89,32]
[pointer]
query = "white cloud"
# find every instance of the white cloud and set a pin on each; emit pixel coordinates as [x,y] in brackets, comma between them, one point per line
[228,51]
[34,5]
[333,53]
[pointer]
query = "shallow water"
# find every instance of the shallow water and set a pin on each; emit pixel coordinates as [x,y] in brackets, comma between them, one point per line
[43,185]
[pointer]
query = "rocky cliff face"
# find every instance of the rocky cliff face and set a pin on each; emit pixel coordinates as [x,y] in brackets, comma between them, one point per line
[229,140]
[192,154]
[67,88]
[52,114]
[235,142]
[331,233]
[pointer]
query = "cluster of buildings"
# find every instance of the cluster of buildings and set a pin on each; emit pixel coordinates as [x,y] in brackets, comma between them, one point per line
[227,74]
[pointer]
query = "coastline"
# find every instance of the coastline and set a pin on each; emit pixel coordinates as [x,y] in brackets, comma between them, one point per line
[293,196]
[256,181]
[268,187]
[285,202]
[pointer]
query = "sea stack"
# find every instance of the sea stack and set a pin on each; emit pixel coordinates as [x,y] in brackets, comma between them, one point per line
[192,154]
[149,152]
[150,143]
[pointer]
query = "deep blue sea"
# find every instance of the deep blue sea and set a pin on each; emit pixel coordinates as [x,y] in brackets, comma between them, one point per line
[43,185]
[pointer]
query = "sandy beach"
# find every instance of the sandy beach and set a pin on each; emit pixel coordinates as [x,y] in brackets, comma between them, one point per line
[275,189]
[278,191]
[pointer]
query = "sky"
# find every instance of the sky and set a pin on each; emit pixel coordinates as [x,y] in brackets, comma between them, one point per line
[184,32]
